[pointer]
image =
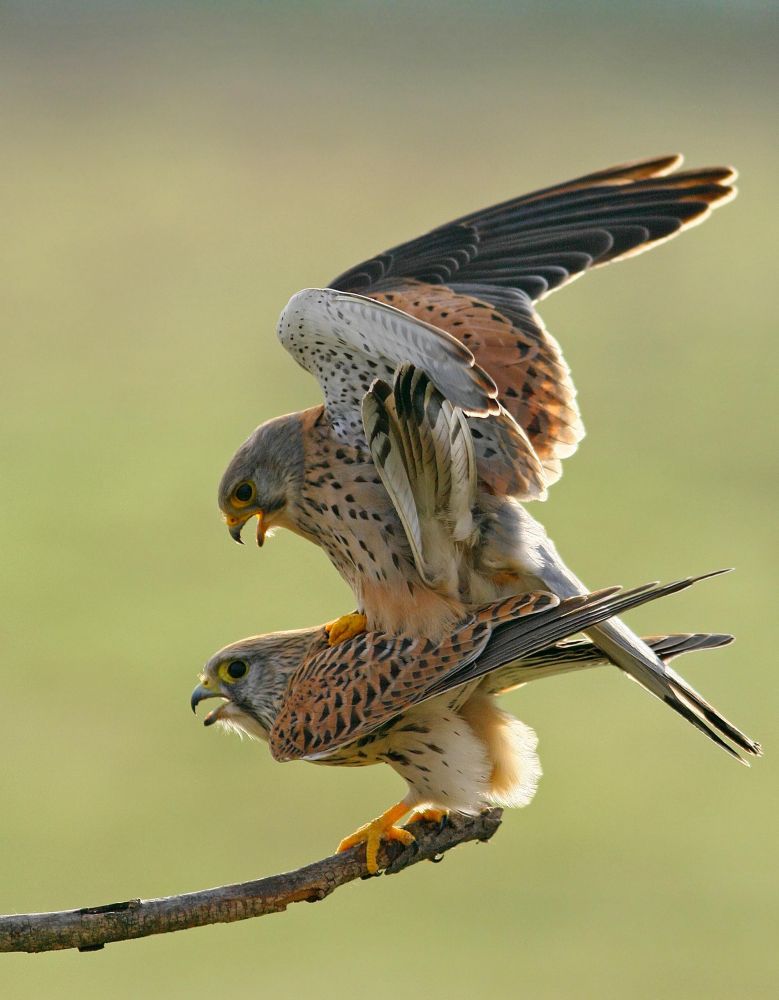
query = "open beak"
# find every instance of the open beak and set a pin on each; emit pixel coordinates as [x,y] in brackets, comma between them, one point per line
[202,692]
[235,527]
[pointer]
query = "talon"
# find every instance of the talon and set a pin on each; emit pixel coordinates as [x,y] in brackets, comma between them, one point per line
[346,627]
[373,833]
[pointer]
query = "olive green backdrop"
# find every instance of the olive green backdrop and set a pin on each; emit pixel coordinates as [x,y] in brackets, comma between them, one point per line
[172,173]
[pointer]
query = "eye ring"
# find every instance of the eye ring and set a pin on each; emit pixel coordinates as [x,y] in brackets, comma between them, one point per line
[244,493]
[233,670]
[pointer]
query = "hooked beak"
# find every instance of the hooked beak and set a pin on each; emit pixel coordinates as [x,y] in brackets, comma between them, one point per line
[235,527]
[201,692]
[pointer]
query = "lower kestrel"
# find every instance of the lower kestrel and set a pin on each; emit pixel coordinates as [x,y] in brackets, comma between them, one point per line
[427,709]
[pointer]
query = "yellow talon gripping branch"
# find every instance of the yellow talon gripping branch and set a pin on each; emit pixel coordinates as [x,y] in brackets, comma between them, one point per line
[372,834]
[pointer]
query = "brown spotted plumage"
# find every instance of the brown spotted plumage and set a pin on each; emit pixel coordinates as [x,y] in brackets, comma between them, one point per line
[425,708]
[441,334]
[342,694]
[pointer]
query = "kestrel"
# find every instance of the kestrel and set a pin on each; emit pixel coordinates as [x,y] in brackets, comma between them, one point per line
[458,305]
[428,709]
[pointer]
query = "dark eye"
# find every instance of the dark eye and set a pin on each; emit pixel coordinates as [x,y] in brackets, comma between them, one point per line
[236,669]
[244,492]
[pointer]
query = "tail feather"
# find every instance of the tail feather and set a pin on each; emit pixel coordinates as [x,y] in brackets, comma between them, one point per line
[633,656]
[627,651]
[687,695]
[624,648]
[689,709]
[668,647]
[581,654]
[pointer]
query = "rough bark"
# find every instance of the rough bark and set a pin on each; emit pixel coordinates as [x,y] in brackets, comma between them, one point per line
[92,927]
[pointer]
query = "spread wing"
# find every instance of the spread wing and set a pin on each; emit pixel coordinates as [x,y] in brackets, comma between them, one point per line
[349,691]
[346,341]
[478,277]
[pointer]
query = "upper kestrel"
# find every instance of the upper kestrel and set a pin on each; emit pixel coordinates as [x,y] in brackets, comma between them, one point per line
[458,305]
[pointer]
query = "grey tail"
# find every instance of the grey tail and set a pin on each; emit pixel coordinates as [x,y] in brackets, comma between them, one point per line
[580,654]
[627,651]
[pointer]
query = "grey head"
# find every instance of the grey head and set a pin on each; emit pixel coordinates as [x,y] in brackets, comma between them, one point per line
[263,476]
[251,677]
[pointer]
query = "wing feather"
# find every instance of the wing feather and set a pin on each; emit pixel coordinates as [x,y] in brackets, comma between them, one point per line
[389,455]
[431,459]
[424,454]
[347,341]
[526,363]
[479,276]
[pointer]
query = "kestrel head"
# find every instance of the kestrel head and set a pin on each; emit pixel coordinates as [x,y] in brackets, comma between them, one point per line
[263,476]
[251,677]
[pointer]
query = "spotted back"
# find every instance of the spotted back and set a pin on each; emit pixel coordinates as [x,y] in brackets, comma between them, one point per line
[344,692]
[349,690]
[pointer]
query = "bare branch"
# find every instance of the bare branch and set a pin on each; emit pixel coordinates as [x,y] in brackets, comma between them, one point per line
[90,928]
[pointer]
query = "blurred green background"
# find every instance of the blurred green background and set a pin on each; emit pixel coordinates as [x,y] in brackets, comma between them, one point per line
[172,173]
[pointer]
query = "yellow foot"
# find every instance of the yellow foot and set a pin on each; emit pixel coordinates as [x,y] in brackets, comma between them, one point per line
[427,815]
[346,627]
[372,834]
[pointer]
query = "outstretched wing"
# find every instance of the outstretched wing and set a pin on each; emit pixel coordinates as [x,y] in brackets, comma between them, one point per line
[347,341]
[479,277]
